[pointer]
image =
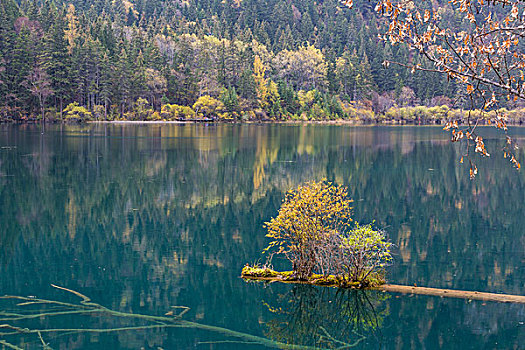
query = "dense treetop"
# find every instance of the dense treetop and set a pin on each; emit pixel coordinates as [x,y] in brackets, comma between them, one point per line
[156,59]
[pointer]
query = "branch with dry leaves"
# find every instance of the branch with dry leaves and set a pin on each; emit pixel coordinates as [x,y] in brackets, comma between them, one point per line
[483,52]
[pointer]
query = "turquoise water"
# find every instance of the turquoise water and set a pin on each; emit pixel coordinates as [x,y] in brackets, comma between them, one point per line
[141,218]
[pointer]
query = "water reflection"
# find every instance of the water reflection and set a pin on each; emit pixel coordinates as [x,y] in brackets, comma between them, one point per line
[144,217]
[327,317]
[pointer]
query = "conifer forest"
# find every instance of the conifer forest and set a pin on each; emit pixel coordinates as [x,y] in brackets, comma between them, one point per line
[234,60]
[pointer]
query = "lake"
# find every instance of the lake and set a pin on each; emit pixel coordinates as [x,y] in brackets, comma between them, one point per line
[148,219]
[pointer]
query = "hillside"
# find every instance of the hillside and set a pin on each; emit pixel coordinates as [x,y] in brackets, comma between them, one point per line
[249,59]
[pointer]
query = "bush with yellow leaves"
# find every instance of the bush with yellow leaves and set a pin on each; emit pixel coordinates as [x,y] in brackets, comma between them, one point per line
[314,231]
[208,107]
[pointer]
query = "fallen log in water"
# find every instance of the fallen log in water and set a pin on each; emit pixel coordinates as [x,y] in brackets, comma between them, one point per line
[451,293]
[330,281]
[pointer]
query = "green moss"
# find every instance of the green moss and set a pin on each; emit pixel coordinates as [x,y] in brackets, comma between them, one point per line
[325,280]
[286,273]
[256,271]
[373,280]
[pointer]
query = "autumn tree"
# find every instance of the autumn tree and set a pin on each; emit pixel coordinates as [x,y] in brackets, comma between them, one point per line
[72,31]
[261,89]
[208,107]
[483,53]
[304,68]
[313,230]
[309,214]
[39,84]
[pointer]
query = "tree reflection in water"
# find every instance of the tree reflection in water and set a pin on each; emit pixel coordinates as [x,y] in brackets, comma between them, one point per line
[327,317]
[141,218]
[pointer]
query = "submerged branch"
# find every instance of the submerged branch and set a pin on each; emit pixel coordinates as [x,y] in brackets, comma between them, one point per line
[87,306]
[9,345]
[46,314]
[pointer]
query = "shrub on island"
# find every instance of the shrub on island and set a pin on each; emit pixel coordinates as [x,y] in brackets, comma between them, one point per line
[315,232]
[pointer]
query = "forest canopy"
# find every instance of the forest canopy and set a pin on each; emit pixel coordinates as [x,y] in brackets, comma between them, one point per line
[249,59]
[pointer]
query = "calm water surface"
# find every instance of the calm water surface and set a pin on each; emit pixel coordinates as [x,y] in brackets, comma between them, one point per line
[145,217]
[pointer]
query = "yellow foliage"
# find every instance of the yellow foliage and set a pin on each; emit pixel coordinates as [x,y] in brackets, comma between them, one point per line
[208,107]
[260,81]
[155,116]
[308,214]
[306,66]
[175,111]
[306,99]
[71,33]
[74,112]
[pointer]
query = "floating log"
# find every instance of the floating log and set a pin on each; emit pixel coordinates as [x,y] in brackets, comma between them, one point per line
[392,288]
[452,293]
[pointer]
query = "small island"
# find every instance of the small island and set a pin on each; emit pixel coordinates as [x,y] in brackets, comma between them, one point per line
[267,274]
[315,232]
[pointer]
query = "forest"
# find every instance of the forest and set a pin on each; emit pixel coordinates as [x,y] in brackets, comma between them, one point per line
[212,60]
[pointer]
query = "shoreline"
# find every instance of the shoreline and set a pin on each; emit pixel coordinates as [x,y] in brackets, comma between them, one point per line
[250,122]
[277,122]
[136,122]
[417,115]
[352,122]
